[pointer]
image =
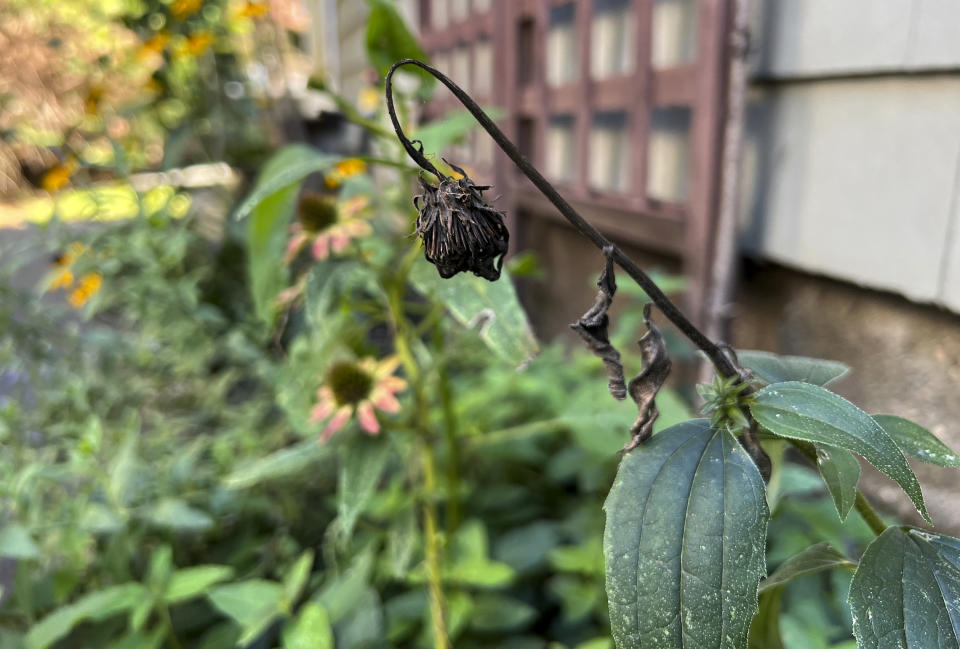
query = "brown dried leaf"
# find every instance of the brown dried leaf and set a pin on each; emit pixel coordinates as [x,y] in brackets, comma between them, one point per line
[592,327]
[644,386]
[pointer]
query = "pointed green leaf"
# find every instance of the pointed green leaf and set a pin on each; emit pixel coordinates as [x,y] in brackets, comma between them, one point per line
[296,577]
[389,40]
[287,167]
[773,368]
[906,592]
[98,605]
[16,543]
[816,558]
[493,612]
[252,604]
[271,206]
[916,441]
[808,412]
[684,541]
[174,514]
[841,472]
[192,582]
[362,463]
[492,307]
[284,464]
[311,630]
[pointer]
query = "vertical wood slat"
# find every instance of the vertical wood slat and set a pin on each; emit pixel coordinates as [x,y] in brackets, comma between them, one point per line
[583,15]
[706,141]
[640,96]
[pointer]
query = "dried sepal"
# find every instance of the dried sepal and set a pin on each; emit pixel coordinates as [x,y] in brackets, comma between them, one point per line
[592,327]
[644,386]
[460,231]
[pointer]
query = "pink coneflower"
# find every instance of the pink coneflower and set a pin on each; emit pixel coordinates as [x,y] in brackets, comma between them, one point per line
[357,387]
[327,225]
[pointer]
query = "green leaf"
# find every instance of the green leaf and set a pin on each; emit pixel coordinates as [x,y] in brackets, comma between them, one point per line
[333,278]
[340,595]
[287,167]
[765,627]
[285,464]
[311,630]
[174,514]
[389,40]
[362,463]
[15,542]
[816,558]
[772,368]
[684,541]
[98,605]
[493,307]
[499,613]
[906,592]
[296,578]
[841,472]
[916,441]
[195,581]
[813,414]
[252,604]
[271,206]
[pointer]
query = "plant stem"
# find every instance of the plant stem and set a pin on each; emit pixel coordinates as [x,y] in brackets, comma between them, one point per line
[422,424]
[716,355]
[440,639]
[450,433]
[869,514]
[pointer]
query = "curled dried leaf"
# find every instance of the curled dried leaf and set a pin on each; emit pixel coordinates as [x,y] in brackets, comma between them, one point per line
[459,229]
[644,386]
[593,325]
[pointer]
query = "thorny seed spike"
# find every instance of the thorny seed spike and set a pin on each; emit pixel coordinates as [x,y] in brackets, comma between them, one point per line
[644,386]
[592,327]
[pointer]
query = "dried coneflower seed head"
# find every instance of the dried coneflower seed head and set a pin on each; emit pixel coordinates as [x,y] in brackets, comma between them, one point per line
[459,230]
[316,212]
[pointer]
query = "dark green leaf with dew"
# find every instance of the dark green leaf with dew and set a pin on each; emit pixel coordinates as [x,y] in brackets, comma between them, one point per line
[773,368]
[810,413]
[906,592]
[684,541]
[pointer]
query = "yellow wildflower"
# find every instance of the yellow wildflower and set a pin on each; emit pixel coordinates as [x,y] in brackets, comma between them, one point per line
[154,45]
[196,43]
[368,100]
[343,170]
[254,9]
[58,175]
[87,287]
[185,8]
[62,279]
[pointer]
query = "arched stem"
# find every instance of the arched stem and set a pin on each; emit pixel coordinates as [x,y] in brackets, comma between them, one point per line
[720,360]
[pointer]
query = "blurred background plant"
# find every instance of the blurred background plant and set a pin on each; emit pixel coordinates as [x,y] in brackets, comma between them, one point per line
[164,381]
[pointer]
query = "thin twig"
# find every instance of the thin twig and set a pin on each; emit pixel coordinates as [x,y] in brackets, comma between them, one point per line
[723,364]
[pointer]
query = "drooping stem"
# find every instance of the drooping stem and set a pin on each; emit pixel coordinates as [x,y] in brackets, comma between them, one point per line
[723,364]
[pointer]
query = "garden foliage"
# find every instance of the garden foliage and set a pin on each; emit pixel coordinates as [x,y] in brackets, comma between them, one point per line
[298,435]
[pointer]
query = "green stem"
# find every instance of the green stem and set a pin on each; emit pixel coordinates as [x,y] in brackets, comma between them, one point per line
[869,514]
[450,433]
[422,424]
[168,624]
[432,550]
